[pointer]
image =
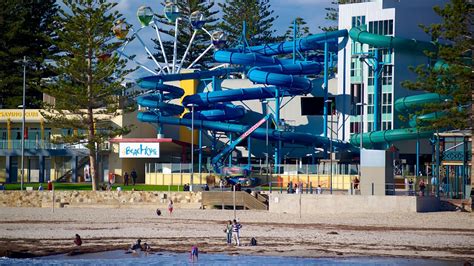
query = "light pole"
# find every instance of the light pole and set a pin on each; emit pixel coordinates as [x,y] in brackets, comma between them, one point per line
[23,62]
[330,148]
[192,146]
[265,102]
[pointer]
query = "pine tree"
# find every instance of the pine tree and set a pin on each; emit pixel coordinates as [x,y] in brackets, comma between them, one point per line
[453,78]
[257,15]
[185,30]
[88,84]
[24,31]
[333,15]
[301,29]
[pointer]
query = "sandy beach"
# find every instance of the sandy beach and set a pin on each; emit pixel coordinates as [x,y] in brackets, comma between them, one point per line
[38,231]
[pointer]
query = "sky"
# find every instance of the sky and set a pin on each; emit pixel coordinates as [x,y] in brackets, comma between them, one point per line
[311,10]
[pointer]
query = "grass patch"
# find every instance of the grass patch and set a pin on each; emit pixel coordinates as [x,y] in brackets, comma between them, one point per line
[88,186]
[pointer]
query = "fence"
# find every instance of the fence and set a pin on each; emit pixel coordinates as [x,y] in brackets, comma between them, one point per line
[180,174]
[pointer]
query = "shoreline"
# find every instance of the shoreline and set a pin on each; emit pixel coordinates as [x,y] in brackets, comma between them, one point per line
[33,232]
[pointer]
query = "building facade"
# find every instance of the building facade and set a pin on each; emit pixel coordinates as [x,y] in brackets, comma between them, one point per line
[399,18]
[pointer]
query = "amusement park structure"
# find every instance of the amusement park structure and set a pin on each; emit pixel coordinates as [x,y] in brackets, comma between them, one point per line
[278,74]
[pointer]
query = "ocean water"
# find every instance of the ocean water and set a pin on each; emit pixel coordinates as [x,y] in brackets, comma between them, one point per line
[121,258]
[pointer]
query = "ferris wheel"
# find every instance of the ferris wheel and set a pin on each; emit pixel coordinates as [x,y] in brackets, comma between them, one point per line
[172,12]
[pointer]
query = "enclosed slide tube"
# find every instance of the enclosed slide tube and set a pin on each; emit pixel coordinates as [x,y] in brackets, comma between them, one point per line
[405,104]
[260,133]
[312,42]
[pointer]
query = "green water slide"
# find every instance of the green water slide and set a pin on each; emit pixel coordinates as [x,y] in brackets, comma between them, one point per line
[405,104]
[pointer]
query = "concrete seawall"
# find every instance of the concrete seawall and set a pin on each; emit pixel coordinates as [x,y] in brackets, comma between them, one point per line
[320,204]
[98,199]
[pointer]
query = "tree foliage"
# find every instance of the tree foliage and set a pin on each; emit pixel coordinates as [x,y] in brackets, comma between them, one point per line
[185,30]
[332,14]
[257,15]
[87,86]
[451,76]
[302,30]
[24,31]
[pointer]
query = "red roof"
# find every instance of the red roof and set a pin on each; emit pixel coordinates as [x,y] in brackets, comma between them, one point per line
[148,140]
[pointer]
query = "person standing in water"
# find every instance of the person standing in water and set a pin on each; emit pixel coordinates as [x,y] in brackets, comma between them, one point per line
[194,253]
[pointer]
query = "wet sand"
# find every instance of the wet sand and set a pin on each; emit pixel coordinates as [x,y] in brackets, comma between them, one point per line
[30,232]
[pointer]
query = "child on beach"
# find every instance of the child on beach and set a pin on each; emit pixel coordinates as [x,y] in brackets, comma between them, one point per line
[170,207]
[194,253]
[236,232]
[228,231]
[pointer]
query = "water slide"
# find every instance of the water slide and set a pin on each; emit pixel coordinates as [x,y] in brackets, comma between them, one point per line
[406,104]
[212,107]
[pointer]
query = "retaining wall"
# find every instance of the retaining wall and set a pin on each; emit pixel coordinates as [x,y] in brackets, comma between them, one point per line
[321,204]
[98,198]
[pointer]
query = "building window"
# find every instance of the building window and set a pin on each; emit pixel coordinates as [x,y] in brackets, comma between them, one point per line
[356,92]
[386,125]
[370,103]
[358,20]
[387,75]
[356,65]
[381,27]
[386,103]
[370,126]
[354,127]
[370,77]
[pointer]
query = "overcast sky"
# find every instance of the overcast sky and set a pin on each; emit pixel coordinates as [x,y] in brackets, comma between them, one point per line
[311,10]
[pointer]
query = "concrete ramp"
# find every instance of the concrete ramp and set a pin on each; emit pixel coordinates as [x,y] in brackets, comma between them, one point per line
[242,199]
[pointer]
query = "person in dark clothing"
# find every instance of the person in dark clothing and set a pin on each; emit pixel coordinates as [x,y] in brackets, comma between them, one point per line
[125,179]
[78,240]
[137,246]
[134,176]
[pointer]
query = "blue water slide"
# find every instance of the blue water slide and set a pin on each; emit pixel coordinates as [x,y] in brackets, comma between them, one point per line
[211,107]
[260,133]
[312,42]
[269,75]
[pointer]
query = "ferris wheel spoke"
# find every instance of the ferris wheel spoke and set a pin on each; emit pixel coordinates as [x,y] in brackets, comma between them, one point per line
[121,53]
[175,45]
[200,56]
[148,51]
[206,31]
[158,35]
[187,51]
[219,66]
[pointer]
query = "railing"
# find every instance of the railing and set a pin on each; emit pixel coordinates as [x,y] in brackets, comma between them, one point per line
[35,144]
[260,169]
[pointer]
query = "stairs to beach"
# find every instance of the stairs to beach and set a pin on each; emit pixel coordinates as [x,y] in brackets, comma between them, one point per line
[242,199]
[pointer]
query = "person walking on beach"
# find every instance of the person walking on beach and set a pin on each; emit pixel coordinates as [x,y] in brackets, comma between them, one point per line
[228,231]
[236,232]
[134,176]
[170,207]
[125,179]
